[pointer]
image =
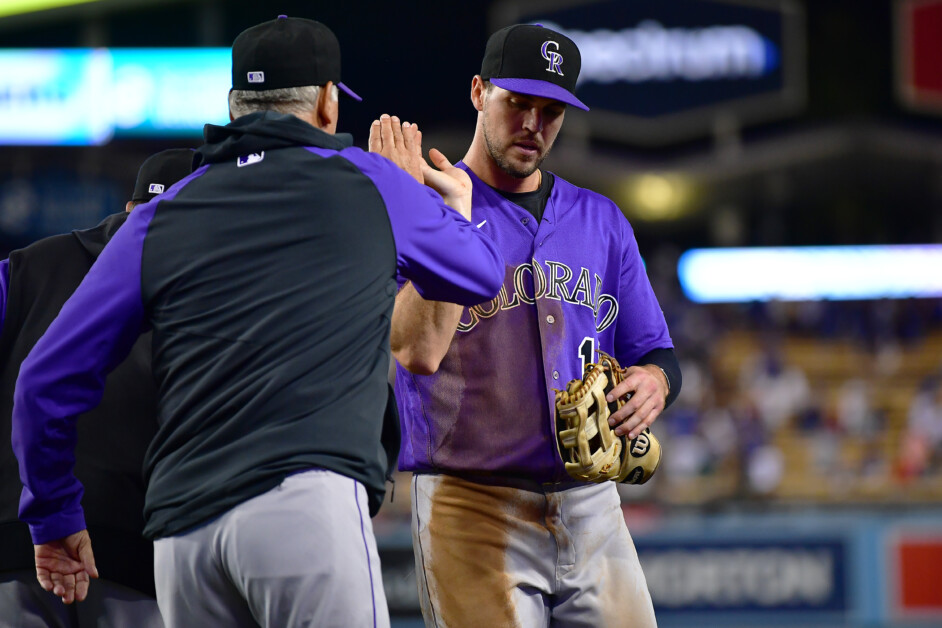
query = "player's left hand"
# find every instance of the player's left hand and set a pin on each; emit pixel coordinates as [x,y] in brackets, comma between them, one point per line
[399,142]
[65,565]
[648,388]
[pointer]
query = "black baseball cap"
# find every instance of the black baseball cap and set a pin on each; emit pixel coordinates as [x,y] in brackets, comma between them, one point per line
[533,60]
[286,52]
[160,171]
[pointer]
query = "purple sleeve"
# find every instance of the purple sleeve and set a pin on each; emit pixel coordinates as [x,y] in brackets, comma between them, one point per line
[641,326]
[4,288]
[445,256]
[64,376]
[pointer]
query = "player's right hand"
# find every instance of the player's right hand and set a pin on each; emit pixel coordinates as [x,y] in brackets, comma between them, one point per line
[452,183]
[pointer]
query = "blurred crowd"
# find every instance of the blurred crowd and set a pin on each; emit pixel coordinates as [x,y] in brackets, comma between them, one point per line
[812,401]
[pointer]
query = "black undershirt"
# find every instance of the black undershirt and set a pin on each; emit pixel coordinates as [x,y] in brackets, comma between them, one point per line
[535,201]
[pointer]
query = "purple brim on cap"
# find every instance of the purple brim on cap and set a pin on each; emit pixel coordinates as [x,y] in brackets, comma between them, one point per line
[534,87]
[349,92]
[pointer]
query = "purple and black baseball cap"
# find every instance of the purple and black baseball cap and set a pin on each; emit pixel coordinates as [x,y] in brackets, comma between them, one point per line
[533,60]
[286,52]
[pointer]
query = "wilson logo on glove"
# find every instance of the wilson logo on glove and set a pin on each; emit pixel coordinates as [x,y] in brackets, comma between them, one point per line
[589,448]
[640,445]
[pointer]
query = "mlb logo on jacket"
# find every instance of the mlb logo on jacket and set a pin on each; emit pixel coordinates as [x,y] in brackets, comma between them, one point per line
[248,160]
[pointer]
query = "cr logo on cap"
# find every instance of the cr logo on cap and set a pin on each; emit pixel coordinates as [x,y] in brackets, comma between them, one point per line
[555,59]
[256,77]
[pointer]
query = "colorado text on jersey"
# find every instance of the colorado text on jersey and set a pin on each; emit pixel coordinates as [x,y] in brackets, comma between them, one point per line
[531,282]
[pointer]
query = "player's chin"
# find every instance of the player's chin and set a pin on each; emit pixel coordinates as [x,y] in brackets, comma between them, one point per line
[523,168]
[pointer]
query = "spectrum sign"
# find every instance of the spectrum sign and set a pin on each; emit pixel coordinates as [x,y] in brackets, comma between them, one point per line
[655,71]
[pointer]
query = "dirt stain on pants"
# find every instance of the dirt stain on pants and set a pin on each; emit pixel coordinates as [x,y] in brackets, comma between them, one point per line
[499,556]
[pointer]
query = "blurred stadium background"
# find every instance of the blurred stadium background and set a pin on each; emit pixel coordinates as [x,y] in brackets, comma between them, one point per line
[801,139]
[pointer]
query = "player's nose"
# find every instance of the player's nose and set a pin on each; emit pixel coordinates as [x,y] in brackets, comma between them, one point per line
[533,120]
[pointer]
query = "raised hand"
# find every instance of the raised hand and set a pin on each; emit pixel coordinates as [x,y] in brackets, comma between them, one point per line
[452,183]
[401,143]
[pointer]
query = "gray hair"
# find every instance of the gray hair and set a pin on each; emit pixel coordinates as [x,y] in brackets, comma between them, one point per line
[293,100]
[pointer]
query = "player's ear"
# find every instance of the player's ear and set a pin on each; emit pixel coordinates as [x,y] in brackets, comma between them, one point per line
[478,88]
[328,108]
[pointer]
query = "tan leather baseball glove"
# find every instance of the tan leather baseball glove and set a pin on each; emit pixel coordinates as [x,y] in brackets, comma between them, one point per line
[590,449]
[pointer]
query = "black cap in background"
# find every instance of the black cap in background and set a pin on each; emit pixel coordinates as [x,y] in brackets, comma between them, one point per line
[160,171]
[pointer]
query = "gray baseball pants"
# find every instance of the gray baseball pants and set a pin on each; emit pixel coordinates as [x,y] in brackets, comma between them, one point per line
[302,554]
[530,556]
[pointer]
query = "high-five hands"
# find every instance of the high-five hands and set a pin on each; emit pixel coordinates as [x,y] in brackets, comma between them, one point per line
[401,143]
[452,183]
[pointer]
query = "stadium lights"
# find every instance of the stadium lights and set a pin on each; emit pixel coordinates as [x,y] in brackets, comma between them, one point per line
[812,273]
[18,7]
[657,197]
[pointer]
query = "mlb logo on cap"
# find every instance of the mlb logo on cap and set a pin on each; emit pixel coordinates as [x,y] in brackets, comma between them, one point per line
[160,171]
[286,52]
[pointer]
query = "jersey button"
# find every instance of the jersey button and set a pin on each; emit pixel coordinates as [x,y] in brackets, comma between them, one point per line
[550,319]
[555,374]
[525,221]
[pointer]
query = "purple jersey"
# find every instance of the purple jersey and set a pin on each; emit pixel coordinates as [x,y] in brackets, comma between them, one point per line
[574,283]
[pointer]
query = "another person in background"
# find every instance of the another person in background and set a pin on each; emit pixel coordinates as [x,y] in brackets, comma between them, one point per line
[921,443]
[502,535]
[779,390]
[268,278]
[112,438]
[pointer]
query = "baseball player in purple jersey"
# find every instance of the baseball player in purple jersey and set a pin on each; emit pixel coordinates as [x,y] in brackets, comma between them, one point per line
[502,535]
